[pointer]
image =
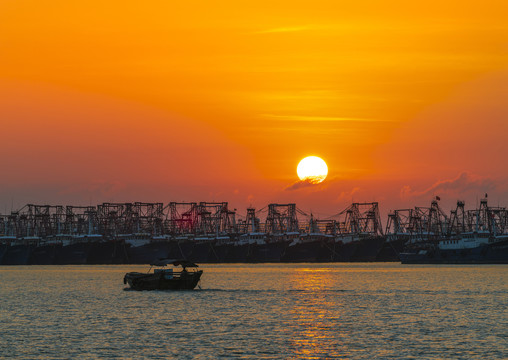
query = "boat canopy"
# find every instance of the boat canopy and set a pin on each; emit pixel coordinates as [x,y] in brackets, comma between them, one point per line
[175,262]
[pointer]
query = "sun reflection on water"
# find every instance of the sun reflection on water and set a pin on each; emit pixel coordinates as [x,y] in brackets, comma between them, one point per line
[261,311]
[314,313]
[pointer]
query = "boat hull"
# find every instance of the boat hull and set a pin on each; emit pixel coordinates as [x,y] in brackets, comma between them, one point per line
[3,251]
[201,252]
[368,249]
[303,252]
[45,254]
[73,254]
[146,253]
[496,253]
[344,252]
[17,255]
[269,252]
[158,281]
[391,250]
[107,252]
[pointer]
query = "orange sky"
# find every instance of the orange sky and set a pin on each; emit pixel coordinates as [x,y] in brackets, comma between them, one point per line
[201,101]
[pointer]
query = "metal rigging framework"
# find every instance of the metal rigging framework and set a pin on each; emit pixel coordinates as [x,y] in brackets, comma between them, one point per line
[205,218]
[216,218]
[8,225]
[319,226]
[458,223]
[423,224]
[183,218]
[419,224]
[487,219]
[251,224]
[281,219]
[116,219]
[33,221]
[433,221]
[81,220]
[212,219]
[360,219]
[400,224]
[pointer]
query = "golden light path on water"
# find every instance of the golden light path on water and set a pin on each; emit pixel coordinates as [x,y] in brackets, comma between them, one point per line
[253,311]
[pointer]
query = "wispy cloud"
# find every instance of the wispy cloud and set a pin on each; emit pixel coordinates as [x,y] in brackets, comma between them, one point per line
[465,182]
[97,189]
[306,118]
[300,185]
[348,195]
[283,29]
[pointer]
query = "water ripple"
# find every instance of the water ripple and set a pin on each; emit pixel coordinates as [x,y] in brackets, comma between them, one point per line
[361,311]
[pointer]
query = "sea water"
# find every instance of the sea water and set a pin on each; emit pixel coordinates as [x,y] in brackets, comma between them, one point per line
[263,311]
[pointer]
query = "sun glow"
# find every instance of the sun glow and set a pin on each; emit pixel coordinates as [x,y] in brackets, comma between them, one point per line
[312,169]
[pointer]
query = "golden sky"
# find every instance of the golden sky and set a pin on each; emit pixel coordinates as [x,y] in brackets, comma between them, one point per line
[219,100]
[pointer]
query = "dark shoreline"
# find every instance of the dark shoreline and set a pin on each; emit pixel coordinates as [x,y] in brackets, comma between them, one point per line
[373,249]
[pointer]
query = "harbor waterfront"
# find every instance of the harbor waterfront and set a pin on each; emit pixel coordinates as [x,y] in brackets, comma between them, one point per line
[138,233]
[258,311]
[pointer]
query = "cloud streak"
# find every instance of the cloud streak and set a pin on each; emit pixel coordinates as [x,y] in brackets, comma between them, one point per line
[97,189]
[348,195]
[300,185]
[463,183]
[304,118]
[284,29]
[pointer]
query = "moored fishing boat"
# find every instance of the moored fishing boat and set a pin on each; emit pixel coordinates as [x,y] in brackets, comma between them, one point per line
[468,248]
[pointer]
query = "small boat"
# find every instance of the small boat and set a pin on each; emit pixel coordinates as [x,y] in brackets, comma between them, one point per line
[165,279]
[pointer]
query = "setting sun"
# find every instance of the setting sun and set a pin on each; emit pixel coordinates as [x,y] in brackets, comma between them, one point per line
[312,169]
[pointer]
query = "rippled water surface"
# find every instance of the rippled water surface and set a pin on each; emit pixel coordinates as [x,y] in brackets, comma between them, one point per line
[360,311]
